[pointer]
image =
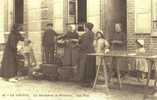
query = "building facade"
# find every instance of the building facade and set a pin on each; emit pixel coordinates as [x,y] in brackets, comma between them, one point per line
[138,18]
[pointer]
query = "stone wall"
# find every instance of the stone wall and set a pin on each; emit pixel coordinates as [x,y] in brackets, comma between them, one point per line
[130,25]
[37,14]
[2,21]
[58,16]
[33,22]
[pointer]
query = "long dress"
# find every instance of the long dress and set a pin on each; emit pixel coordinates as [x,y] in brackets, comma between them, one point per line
[141,63]
[87,64]
[9,62]
[102,46]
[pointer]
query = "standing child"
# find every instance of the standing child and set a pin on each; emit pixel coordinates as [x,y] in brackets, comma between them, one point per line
[101,46]
[29,58]
[141,63]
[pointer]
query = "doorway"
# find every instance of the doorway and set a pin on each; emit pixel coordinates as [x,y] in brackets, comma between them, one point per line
[81,14]
[19,11]
[116,13]
[82,11]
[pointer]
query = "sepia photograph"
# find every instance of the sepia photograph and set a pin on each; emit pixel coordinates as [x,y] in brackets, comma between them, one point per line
[78,49]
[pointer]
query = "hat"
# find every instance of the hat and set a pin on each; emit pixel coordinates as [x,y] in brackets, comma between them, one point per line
[15,26]
[101,32]
[72,26]
[89,25]
[118,27]
[49,24]
[140,42]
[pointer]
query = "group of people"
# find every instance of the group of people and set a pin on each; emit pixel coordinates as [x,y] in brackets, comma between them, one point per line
[76,48]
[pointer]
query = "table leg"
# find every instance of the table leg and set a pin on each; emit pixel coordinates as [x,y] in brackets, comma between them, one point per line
[149,72]
[97,73]
[118,74]
[148,78]
[105,75]
[155,75]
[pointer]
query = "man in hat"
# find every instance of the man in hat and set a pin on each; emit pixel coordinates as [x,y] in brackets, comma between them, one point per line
[48,43]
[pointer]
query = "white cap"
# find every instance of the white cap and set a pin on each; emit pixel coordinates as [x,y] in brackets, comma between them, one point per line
[118,27]
[140,41]
[73,26]
[22,32]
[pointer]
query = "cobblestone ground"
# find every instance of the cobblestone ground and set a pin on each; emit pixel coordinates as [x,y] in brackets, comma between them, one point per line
[46,90]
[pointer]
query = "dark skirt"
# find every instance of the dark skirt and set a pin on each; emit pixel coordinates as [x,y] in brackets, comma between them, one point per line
[90,69]
[9,64]
[71,56]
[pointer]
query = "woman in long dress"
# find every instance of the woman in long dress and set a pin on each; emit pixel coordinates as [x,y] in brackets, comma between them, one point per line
[9,62]
[87,64]
[71,47]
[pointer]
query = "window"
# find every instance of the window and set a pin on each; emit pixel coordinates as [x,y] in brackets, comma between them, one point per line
[77,13]
[142,16]
[72,8]
[72,11]
[154,15]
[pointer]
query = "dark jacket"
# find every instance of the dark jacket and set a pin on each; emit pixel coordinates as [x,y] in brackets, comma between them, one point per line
[86,42]
[71,35]
[89,63]
[48,39]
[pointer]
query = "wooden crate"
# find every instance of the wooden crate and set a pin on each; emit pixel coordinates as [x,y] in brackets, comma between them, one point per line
[49,71]
[67,73]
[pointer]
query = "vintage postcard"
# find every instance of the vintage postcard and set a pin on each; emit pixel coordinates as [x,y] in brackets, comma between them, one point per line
[78,49]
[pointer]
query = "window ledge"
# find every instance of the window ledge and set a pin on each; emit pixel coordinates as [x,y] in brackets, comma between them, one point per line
[142,33]
[154,34]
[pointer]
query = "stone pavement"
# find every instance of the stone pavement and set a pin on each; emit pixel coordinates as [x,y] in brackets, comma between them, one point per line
[46,90]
